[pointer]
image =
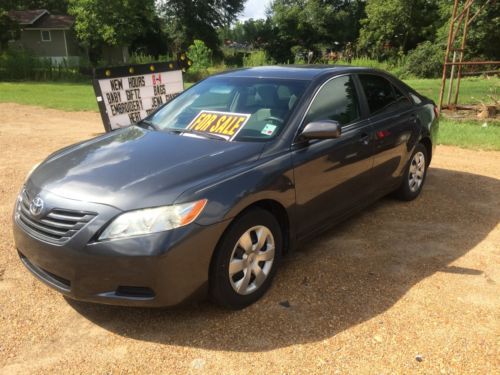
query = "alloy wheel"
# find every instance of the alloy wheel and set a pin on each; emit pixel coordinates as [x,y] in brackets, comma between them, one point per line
[251,260]
[417,172]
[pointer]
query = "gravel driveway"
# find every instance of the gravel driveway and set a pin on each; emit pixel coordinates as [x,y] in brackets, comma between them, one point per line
[401,288]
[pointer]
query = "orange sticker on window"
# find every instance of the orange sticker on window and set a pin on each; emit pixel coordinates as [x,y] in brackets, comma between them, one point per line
[225,124]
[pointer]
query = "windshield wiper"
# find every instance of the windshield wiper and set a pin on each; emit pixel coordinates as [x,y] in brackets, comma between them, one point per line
[147,124]
[203,134]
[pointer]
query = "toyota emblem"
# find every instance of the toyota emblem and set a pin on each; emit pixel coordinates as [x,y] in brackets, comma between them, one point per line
[36,206]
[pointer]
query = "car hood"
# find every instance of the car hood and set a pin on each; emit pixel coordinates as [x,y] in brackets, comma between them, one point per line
[134,168]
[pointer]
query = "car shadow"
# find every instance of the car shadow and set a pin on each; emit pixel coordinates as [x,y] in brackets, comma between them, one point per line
[348,275]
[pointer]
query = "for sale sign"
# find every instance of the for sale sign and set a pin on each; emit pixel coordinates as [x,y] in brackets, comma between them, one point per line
[225,124]
[128,94]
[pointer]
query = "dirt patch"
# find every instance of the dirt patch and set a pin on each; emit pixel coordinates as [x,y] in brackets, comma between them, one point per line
[476,114]
[401,288]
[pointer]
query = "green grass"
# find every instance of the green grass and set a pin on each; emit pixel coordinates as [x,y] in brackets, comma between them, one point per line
[65,96]
[472,90]
[470,134]
[80,97]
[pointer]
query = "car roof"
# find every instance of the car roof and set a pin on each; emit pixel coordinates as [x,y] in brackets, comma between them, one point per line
[300,72]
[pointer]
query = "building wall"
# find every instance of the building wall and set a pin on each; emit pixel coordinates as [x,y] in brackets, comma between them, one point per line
[32,40]
[73,47]
[56,50]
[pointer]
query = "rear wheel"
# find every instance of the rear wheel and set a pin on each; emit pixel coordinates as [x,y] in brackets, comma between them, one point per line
[246,259]
[414,177]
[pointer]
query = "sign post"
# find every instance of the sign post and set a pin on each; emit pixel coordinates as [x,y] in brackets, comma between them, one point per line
[127,94]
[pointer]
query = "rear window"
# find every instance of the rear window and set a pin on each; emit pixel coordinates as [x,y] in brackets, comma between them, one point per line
[381,95]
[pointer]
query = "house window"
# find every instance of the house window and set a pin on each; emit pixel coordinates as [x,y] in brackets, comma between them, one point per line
[46,36]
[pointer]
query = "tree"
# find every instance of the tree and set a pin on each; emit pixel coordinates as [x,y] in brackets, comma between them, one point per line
[483,34]
[393,26]
[250,32]
[313,24]
[8,29]
[111,22]
[187,20]
[53,6]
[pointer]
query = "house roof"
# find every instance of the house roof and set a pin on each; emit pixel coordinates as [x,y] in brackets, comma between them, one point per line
[41,19]
[26,17]
[53,21]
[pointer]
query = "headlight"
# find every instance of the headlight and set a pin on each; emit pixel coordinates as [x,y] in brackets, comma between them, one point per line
[152,220]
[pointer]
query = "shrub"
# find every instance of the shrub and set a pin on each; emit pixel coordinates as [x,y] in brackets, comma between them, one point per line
[195,75]
[365,62]
[15,65]
[395,66]
[200,54]
[141,58]
[18,64]
[299,55]
[233,57]
[257,58]
[425,61]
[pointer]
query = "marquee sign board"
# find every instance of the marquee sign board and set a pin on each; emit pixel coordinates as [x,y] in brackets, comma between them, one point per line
[127,94]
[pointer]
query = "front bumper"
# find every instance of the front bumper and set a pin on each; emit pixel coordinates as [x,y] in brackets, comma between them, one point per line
[161,269]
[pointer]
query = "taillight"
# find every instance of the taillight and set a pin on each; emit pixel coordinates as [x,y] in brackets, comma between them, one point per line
[436,111]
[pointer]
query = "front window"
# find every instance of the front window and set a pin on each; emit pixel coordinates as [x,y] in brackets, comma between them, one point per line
[264,105]
[46,37]
[337,100]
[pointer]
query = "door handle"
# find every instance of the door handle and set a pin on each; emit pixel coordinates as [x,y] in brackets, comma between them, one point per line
[364,139]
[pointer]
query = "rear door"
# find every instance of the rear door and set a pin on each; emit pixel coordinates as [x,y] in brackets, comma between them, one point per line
[332,176]
[394,120]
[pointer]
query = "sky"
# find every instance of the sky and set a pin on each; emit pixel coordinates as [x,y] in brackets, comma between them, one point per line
[255,9]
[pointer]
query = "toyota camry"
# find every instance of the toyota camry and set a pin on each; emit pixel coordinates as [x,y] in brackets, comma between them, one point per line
[205,196]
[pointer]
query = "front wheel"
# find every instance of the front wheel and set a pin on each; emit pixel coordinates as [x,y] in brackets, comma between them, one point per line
[414,177]
[246,259]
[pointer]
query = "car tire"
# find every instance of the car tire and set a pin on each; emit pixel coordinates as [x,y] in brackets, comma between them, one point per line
[414,176]
[242,269]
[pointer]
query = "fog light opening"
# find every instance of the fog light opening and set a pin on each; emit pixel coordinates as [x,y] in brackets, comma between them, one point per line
[135,292]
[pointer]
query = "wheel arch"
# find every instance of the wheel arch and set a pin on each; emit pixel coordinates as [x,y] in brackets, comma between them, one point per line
[276,209]
[281,215]
[426,141]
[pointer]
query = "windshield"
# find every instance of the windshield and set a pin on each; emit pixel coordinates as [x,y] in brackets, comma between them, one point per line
[258,108]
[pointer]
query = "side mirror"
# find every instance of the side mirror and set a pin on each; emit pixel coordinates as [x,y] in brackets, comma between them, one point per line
[324,129]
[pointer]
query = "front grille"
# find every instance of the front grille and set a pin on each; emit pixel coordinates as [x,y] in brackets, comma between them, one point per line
[58,225]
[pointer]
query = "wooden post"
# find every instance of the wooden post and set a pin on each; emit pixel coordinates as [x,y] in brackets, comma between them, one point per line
[447,54]
[452,75]
[464,37]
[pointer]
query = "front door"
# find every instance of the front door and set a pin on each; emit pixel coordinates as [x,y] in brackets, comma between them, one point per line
[332,176]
